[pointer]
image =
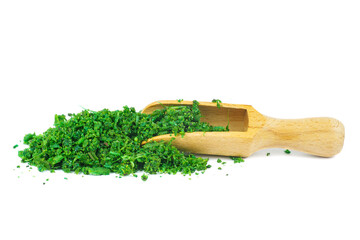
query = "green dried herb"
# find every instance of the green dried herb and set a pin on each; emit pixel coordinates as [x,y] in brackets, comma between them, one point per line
[144,177]
[217,101]
[104,142]
[237,159]
[268,154]
[219,160]
[15,146]
[287,151]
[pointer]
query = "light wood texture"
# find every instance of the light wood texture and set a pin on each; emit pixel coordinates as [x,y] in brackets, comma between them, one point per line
[251,131]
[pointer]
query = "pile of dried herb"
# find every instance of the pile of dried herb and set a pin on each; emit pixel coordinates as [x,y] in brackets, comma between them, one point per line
[104,142]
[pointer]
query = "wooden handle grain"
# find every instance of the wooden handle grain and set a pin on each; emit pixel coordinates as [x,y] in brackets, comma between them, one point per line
[318,136]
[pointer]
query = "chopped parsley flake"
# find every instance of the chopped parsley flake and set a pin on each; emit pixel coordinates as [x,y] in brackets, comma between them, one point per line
[217,101]
[237,159]
[287,151]
[144,177]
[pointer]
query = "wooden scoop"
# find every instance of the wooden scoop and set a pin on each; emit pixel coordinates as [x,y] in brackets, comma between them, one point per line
[251,131]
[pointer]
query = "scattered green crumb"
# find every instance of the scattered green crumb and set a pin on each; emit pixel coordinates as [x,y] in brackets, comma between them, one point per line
[65,178]
[237,159]
[43,183]
[135,175]
[189,178]
[47,179]
[217,101]
[196,173]
[180,100]
[268,154]
[223,163]
[287,151]
[15,146]
[219,168]
[227,174]
[144,177]
[219,160]
[18,166]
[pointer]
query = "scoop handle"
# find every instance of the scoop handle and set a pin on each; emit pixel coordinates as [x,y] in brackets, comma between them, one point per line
[318,136]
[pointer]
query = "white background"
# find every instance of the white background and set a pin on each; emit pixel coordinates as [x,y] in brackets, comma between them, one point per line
[288,59]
